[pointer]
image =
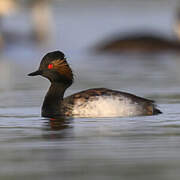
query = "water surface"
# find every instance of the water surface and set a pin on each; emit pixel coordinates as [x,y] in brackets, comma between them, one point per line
[94,148]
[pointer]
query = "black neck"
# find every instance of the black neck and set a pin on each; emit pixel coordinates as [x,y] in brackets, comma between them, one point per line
[53,99]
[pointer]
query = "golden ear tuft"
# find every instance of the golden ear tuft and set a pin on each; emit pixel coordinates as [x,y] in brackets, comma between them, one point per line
[62,67]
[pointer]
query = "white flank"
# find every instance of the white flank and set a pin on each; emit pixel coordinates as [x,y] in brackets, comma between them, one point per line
[107,106]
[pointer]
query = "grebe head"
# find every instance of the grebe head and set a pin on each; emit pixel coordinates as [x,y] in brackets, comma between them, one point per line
[54,67]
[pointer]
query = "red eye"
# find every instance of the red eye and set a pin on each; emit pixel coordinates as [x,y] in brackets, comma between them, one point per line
[50,66]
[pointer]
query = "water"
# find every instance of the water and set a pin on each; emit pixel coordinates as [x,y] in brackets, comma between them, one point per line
[102,148]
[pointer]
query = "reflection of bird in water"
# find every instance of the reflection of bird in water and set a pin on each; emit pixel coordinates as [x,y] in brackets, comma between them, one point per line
[57,128]
[99,102]
[58,124]
[41,21]
[142,42]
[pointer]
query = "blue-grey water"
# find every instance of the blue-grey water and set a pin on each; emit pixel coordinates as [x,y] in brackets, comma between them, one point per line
[103,148]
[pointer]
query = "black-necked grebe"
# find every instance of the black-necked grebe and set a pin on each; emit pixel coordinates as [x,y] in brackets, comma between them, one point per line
[98,102]
[143,41]
[146,43]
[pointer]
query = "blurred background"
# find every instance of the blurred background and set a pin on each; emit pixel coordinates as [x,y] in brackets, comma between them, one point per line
[128,45]
[29,29]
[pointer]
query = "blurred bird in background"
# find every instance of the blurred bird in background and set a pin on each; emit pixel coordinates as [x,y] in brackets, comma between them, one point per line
[40,21]
[23,23]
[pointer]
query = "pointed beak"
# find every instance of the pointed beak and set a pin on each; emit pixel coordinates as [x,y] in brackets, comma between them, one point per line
[38,72]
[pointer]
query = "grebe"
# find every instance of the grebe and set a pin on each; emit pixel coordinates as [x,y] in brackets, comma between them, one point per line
[99,102]
[142,42]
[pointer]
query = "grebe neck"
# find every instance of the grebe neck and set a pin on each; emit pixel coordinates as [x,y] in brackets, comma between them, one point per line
[53,99]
